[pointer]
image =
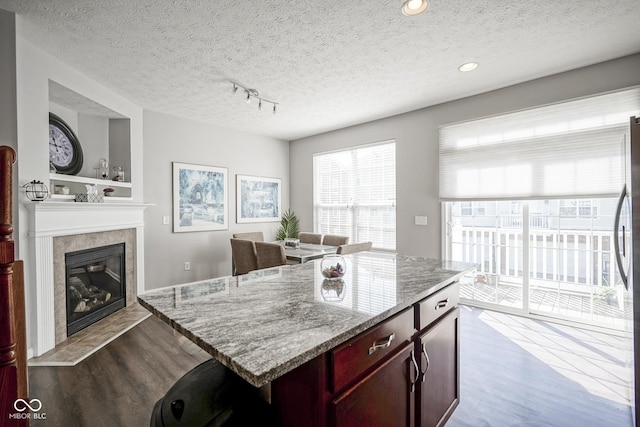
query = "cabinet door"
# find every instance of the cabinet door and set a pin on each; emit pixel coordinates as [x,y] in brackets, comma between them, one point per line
[439,382]
[385,397]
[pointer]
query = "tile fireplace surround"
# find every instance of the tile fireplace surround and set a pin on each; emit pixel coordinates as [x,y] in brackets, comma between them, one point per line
[58,227]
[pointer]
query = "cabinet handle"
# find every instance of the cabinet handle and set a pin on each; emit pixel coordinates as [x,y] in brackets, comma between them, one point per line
[442,304]
[427,361]
[375,346]
[417,375]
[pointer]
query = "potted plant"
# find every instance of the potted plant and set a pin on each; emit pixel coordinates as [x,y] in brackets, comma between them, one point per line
[289,226]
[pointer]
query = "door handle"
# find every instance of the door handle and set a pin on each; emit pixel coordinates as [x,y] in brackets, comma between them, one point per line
[417,371]
[427,362]
[616,237]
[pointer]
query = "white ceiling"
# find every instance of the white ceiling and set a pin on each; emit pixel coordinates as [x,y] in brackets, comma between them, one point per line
[329,64]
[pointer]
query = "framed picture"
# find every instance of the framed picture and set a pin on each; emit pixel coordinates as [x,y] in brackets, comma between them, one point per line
[258,199]
[200,199]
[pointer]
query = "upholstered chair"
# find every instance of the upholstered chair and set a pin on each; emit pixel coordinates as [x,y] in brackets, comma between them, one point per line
[243,256]
[270,254]
[334,240]
[354,247]
[256,236]
[306,237]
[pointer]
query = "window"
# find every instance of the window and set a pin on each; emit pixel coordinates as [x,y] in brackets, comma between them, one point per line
[354,194]
[472,208]
[578,209]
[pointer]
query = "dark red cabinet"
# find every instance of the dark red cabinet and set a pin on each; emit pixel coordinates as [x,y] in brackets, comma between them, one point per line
[405,371]
[382,398]
[438,392]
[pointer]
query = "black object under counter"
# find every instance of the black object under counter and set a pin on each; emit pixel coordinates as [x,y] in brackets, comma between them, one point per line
[266,323]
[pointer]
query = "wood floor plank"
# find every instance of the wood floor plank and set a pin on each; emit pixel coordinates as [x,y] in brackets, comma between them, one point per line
[119,384]
[522,372]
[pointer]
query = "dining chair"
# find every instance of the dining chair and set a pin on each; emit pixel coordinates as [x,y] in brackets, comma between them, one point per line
[270,254]
[354,247]
[256,236]
[334,240]
[306,237]
[243,256]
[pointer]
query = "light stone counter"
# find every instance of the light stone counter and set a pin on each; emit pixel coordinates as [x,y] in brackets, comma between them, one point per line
[266,323]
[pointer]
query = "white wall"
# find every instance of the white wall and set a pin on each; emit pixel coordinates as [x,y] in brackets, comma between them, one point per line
[34,69]
[170,139]
[416,136]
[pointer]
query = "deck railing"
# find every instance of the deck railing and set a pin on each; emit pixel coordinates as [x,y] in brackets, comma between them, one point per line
[563,256]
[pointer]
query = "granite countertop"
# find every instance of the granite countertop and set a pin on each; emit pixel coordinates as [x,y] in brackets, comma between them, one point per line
[266,323]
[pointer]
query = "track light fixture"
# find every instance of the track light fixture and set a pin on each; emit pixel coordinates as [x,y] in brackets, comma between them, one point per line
[253,93]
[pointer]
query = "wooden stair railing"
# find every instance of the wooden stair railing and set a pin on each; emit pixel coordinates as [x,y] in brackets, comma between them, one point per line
[13,358]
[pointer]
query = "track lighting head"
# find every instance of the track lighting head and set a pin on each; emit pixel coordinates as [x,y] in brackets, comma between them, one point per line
[253,93]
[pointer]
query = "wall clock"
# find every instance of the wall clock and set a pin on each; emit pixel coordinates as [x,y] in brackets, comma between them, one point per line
[65,152]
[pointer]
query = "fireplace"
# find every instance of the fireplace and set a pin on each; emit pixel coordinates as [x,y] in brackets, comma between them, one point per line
[95,285]
[58,228]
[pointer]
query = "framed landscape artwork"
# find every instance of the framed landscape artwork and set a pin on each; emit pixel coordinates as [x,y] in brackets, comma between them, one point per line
[200,199]
[258,199]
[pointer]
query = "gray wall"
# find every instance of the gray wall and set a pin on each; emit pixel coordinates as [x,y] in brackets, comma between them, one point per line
[416,136]
[8,114]
[170,139]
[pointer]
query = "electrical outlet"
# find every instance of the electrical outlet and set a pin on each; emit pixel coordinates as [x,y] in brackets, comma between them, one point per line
[187,266]
[420,220]
[165,220]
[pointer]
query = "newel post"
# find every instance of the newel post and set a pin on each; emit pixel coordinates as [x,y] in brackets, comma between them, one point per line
[8,356]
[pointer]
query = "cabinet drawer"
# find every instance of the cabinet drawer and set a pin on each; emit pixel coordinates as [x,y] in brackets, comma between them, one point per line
[433,307]
[357,355]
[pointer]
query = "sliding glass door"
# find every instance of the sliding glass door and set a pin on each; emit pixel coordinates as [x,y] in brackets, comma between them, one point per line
[552,258]
[490,235]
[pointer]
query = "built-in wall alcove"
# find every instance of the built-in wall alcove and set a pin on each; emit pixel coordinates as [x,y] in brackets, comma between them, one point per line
[103,134]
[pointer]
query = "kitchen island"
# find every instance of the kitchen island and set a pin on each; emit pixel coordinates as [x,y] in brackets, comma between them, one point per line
[290,328]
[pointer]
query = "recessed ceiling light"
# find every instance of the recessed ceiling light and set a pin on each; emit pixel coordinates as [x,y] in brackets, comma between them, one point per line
[414,7]
[469,66]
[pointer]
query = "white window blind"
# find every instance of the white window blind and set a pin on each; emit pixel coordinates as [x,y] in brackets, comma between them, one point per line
[571,149]
[354,194]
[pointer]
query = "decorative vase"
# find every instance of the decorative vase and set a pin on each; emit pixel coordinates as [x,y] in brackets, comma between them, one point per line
[333,267]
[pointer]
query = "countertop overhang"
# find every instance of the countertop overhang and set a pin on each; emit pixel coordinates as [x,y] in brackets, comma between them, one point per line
[266,323]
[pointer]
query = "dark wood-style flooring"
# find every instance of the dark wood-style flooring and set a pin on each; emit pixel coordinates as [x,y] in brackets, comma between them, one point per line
[515,372]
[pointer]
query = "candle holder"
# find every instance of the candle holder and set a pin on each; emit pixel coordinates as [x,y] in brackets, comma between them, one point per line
[36,191]
[103,169]
[118,173]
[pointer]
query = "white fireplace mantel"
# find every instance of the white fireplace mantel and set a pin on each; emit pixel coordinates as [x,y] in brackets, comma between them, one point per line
[50,219]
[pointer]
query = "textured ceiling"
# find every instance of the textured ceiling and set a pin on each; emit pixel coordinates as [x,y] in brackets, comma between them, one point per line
[328,63]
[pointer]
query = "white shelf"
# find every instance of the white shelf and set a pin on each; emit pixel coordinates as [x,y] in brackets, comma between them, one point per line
[87,180]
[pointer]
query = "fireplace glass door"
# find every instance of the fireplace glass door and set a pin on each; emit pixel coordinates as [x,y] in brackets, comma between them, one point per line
[95,285]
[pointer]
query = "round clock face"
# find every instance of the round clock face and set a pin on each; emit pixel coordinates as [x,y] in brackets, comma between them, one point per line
[60,149]
[65,153]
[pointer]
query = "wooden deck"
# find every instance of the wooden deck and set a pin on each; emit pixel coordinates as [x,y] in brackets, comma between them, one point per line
[605,311]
